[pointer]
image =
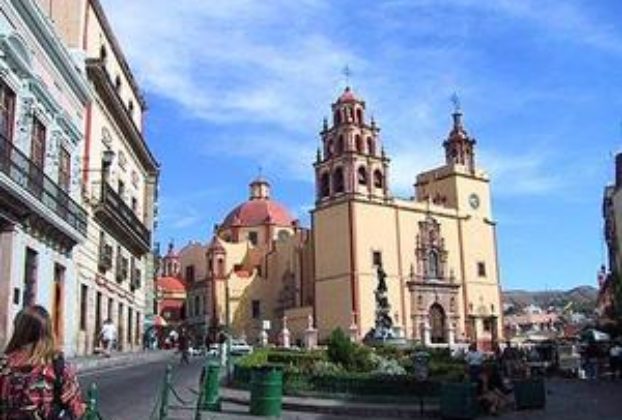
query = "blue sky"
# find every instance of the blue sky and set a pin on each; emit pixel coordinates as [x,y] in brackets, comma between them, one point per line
[237,84]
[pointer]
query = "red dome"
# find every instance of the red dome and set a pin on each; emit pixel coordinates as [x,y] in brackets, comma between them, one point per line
[171,284]
[347,96]
[258,212]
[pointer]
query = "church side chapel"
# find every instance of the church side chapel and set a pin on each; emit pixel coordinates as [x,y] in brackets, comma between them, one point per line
[262,273]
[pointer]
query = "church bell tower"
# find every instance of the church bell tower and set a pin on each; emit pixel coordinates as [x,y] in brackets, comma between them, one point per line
[351,162]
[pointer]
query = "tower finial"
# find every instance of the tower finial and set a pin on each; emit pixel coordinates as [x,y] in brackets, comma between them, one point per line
[455,99]
[347,72]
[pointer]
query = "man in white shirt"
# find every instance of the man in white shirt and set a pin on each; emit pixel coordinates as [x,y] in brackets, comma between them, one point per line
[474,360]
[108,335]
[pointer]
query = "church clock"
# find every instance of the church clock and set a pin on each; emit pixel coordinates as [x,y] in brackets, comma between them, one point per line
[474,201]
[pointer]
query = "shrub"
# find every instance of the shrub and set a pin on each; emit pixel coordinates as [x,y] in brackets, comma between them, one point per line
[301,360]
[386,366]
[257,358]
[351,356]
[324,367]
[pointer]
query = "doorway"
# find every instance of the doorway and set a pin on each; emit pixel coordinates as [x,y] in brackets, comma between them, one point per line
[58,303]
[438,324]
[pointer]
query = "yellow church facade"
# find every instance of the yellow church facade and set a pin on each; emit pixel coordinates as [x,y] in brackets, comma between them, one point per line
[438,249]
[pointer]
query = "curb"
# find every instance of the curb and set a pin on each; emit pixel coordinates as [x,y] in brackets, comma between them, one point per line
[94,363]
[341,408]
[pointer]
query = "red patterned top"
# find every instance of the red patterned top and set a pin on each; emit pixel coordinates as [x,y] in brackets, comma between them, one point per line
[27,391]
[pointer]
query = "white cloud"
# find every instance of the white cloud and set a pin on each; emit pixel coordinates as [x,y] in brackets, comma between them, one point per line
[272,68]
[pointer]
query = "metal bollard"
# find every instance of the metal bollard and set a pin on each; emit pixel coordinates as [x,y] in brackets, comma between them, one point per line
[210,401]
[91,412]
[165,394]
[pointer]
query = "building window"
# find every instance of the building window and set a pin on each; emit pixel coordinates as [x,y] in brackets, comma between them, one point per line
[371,149]
[130,108]
[221,267]
[190,273]
[358,143]
[109,311]
[64,169]
[481,269]
[362,176]
[338,184]
[258,268]
[433,269]
[487,325]
[377,258]
[103,53]
[37,147]
[256,309]
[252,237]
[378,179]
[121,189]
[7,111]
[30,278]
[84,295]
[339,145]
[137,335]
[196,306]
[117,83]
[329,149]
[134,204]
[325,185]
[237,267]
[130,325]
[210,265]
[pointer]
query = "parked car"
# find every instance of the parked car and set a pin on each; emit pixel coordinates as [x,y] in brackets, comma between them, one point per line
[240,347]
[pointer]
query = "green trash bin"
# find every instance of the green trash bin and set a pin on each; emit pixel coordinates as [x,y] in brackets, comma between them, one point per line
[529,393]
[210,385]
[459,400]
[266,391]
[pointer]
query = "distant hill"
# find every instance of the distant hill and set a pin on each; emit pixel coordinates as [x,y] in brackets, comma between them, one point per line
[583,298]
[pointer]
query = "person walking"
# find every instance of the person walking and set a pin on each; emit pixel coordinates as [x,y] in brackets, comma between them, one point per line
[35,380]
[183,347]
[108,336]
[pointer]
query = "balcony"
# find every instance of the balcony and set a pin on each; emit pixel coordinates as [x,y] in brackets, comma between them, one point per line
[122,222]
[38,194]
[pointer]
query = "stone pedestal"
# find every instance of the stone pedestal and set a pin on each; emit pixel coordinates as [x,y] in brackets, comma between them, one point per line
[284,335]
[310,335]
[263,338]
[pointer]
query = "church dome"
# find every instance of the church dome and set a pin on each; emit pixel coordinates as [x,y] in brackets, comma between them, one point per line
[259,209]
[347,96]
[171,284]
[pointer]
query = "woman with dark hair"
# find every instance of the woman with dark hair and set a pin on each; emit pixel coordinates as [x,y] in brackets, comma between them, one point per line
[35,382]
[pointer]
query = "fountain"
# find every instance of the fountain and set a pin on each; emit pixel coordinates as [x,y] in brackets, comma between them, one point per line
[384,331]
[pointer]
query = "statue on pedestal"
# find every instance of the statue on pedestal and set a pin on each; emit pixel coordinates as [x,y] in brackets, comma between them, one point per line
[383,326]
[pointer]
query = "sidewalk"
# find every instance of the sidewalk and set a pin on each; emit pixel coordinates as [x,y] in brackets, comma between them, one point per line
[95,362]
[567,399]
[334,407]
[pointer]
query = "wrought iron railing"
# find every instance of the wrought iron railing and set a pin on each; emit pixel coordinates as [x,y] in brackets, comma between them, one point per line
[23,171]
[121,213]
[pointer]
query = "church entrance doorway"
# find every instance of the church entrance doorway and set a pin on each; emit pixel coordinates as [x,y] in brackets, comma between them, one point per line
[438,321]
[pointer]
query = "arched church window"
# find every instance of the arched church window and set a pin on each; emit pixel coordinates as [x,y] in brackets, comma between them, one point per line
[337,118]
[221,267]
[329,149]
[433,268]
[325,185]
[371,148]
[362,176]
[340,145]
[359,116]
[338,185]
[359,144]
[378,181]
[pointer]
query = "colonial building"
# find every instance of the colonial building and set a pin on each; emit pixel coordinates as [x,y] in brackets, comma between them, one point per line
[438,249]
[119,182]
[609,277]
[171,290]
[42,100]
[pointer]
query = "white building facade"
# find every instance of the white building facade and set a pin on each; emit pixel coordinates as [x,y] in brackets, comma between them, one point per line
[43,97]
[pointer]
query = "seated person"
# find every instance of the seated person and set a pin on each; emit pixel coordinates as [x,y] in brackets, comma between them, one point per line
[491,391]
